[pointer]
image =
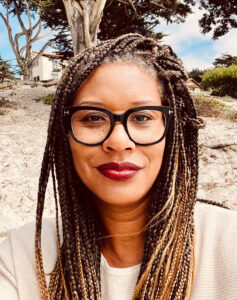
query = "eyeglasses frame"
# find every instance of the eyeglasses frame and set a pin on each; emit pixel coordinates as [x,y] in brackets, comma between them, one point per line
[114,118]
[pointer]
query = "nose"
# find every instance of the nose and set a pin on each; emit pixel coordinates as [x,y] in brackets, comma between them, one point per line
[118,140]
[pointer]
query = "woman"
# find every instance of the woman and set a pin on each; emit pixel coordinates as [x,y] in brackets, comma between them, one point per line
[123,153]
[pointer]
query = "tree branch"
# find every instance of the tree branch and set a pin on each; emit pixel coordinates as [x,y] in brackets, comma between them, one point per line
[17,36]
[36,24]
[9,32]
[38,31]
[7,9]
[40,37]
[29,18]
[19,19]
[41,52]
[133,6]
[97,18]
[158,4]
[79,7]
[4,19]
[86,27]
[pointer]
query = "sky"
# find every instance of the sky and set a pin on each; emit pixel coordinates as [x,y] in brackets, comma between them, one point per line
[195,49]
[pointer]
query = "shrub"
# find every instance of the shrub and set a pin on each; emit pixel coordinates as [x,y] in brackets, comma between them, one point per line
[46,99]
[5,70]
[231,115]
[210,107]
[3,111]
[222,80]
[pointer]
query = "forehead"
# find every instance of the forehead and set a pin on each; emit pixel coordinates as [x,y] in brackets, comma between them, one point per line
[116,85]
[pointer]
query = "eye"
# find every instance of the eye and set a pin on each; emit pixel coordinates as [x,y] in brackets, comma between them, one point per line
[141,117]
[93,118]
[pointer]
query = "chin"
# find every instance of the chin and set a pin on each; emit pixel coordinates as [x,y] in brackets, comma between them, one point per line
[122,198]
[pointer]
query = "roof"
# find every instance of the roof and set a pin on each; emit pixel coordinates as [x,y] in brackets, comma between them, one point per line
[48,54]
[193,83]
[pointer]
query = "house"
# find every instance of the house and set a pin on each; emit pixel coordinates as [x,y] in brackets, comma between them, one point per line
[193,86]
[47,67]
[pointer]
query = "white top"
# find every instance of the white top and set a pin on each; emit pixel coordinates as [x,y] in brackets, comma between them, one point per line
[117,283]
[215,275]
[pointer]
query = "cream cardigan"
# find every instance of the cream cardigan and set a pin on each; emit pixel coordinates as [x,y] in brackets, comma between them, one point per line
[215,266]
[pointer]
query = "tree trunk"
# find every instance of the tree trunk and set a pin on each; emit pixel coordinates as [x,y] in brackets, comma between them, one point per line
[84,17]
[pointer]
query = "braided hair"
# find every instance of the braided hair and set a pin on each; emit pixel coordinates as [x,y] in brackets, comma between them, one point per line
[168,260]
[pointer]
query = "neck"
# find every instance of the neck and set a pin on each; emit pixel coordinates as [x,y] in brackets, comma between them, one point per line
[124,235]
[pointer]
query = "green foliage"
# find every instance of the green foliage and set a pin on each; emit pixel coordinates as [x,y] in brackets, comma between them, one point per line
[20,5]
[5,72]
[219,17]
[222,80]
[196,74]
[46,99]
[225,60]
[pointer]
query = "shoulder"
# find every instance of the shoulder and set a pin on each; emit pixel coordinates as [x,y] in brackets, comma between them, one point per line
[17,254]
[22,240]
[216,227]
[208,217]
[215,252]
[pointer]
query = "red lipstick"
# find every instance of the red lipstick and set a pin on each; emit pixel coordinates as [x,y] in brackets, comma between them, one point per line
[118,171]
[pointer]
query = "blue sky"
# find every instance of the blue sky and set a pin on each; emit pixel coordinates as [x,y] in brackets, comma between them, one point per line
[195,49]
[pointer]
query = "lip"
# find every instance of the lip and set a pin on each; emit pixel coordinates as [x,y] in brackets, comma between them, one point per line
[118,171]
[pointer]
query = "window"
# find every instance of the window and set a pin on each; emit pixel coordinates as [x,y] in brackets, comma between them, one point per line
[36,63]
[56,66]
[37,78]
[54,76]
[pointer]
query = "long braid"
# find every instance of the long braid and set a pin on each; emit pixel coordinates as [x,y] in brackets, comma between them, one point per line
[168,260]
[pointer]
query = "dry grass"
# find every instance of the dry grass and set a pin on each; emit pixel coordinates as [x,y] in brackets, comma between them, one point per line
[210,107]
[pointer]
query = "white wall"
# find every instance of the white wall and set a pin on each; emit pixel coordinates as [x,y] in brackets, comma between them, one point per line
[45,70]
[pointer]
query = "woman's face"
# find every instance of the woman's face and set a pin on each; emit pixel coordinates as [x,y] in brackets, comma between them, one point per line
[118,87]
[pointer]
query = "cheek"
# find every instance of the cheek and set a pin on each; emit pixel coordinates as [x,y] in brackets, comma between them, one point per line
[156,154]
[79,156]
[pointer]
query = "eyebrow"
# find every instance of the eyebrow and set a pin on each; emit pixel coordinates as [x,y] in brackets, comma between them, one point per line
[101,104]
[92,103]
[144,102]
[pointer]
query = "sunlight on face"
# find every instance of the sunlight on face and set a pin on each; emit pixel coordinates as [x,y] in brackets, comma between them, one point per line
[118,87]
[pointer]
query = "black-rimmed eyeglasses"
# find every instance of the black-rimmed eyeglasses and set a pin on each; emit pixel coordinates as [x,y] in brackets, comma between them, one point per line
[145,125]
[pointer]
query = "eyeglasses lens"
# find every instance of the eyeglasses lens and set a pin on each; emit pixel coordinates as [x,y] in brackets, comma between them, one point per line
[92,126]
[146,126]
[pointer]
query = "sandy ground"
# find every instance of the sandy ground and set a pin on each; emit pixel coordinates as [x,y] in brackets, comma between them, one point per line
[22,139]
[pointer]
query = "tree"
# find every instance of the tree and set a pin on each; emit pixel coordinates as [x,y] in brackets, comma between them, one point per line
[31,33]
[89,19]
[5,71]
[110,18]
[220,17]
[196,74]
[225,60]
